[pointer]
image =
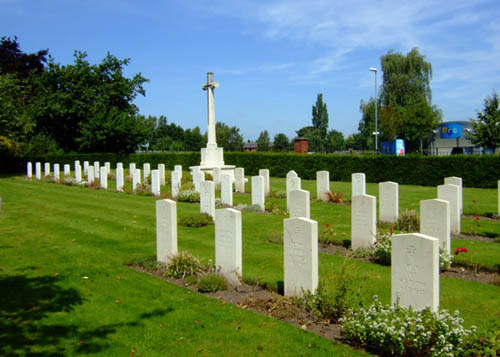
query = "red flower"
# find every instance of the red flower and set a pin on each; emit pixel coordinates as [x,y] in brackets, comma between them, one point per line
[460,250]
[473,201]
[328,225]
[477,218]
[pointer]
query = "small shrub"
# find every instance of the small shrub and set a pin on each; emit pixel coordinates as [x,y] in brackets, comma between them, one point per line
[445,260]
[183,264]
[336,294]
[191,280]
[250,208]
[335,197]
[277,194]
[408,221]
[208,177]
[482,344]
[381,250]
[196,220]
[274,208]
[186,186]
[395,331]
[190,196]
[327,235]
[212,282]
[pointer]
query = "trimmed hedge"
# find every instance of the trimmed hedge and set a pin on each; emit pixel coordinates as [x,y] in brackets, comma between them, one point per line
[476,171]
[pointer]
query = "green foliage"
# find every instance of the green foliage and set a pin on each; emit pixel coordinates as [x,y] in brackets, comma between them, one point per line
[182,265]
[316,141]
[274,208]
[320,116]
[395,331]
[281,143]
[196,220]
[408,221]
[486,128]
[482,344]
[263,141]
[212,282]
[327,235]
[277,194]
[381,249]
[189,195]
[228,137]
[445,260]
[335,141]
[336,294]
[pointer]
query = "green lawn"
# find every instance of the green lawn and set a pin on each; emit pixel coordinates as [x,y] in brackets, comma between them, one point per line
[53,237]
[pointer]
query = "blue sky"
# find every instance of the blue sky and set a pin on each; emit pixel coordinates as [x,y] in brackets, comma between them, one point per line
[271,57]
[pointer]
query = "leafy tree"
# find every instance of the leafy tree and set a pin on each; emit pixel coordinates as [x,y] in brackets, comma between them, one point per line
[335,141]
[313,135]
[406,79]
[228,137]
[320,116]
[366,127]
[418,120]
[193,140]
[263,141]
[281,142]
[354,142]
[15,121]
[486,128]
[89,107]
[13,60]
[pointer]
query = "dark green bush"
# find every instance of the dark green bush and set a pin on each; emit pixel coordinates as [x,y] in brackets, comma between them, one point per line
[212,282]
[196,220]
[182,265]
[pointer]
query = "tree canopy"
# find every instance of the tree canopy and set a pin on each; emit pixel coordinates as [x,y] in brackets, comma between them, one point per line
[486,128]
[263,141]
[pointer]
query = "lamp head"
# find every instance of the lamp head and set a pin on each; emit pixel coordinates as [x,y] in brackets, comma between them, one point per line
[373,69]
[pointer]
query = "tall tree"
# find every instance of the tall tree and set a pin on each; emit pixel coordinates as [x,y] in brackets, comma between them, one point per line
[320,116]
[335,141]
[486,128]
[263,141]
[281,142]
[13,60]
[228,137]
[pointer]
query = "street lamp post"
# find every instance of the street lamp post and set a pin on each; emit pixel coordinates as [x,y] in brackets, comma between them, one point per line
[374,70]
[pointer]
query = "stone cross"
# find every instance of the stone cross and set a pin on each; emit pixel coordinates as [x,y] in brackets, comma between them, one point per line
[209,87]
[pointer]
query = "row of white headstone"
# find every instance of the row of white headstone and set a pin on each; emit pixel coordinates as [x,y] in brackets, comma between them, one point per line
[96,171]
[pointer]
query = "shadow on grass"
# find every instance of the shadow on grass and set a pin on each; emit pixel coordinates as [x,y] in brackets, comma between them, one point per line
[25,302]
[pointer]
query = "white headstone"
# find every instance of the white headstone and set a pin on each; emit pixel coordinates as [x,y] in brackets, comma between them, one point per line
[161,169]
[300,204]
[38,170]
[226,188]
[435,221]
[77,162]
[46,169]
[155,182]
[363,221]
[415,271]
[103,178]
[265,174]
[175,181]
[85,167]
[29,170]
[239,180]
[119,165]
[207,198]
[228,244]
[289,176]
[322,185]
[358,184]
[258,197]
[90,175]
[97,169]
[107,165]
[67,170]
[294,183]
[301,256]
[166,230]
[57,172]
[388,201]
[457,181]
[451,194]
[136,179]
[216,177]
[78,174]
[178,168]
[146,167]
[119,179]
[198,177]
[131,169]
